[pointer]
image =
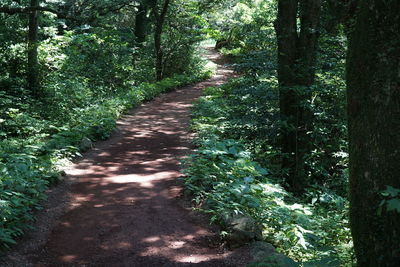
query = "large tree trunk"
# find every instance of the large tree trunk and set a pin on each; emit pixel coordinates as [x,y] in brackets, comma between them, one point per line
[373,80]
[286,29]
[141,23]
[296,63]
[33,43]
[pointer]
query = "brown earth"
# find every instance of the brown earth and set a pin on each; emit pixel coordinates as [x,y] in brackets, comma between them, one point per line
[122,204]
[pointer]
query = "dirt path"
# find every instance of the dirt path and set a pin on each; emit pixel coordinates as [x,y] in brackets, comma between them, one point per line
[124,206]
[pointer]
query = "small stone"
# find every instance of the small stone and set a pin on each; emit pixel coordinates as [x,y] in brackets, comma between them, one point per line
[85,144]
[60,176]
[242,230]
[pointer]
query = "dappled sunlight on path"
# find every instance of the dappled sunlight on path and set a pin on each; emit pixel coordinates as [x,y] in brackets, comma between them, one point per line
[124,207]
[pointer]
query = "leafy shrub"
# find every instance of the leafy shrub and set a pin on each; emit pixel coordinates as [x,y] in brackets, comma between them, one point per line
[24,176]
[224,179]
[237,127]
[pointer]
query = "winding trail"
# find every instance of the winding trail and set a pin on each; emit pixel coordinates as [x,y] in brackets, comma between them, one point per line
[124,206]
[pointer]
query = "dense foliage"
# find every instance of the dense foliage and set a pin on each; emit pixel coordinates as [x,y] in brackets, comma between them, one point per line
[278,144]
[237,169]
[89,75]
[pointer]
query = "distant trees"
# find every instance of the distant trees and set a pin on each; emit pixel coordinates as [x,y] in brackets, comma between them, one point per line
[33,13]
[373,81]
[296,70]
[159,11]
[32,71]
[151,36]
[76,14]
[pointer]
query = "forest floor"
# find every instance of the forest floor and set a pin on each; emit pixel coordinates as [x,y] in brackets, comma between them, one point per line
[123,204]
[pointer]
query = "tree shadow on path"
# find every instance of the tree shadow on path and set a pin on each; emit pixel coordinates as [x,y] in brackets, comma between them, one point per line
[124,207]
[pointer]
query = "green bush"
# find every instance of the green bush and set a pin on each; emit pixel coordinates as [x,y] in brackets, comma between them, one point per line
[24,177]
[224,179]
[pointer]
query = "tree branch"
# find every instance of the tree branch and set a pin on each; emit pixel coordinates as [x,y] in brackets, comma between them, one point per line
[26,10]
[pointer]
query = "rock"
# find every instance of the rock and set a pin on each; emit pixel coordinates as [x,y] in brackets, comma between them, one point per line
[274,260]
[61,175]
[85,144]
[242,230]
[261,250]
[59,178]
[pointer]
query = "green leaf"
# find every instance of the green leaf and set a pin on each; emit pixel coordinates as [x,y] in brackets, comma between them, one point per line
[393,205]
[391,191]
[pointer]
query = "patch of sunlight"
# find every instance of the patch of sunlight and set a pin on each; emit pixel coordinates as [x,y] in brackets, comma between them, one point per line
[177,244]
[193,259]
[68,258]
[123,245]
[152,239]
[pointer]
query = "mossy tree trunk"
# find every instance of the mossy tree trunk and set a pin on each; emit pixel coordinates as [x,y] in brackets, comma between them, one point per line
[296,71]
[373,80]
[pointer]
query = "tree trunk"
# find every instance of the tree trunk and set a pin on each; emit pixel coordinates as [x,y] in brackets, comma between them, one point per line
[158,51]
[159,24]
[296,71]
[373,81]
[33,43]
[286,29]
[141,23]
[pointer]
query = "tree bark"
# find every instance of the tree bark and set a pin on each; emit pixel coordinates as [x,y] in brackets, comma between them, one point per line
[159,24]
[373,81]
[141,23]
[296,71]
[33,43]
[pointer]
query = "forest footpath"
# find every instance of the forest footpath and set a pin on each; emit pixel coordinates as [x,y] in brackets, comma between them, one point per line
[123,200]
[304,145]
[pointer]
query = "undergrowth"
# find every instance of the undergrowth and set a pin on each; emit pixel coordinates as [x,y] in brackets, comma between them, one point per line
[226,177]
[236,168]
[37,137]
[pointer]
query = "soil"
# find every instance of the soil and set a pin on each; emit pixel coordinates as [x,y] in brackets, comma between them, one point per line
[122,204]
